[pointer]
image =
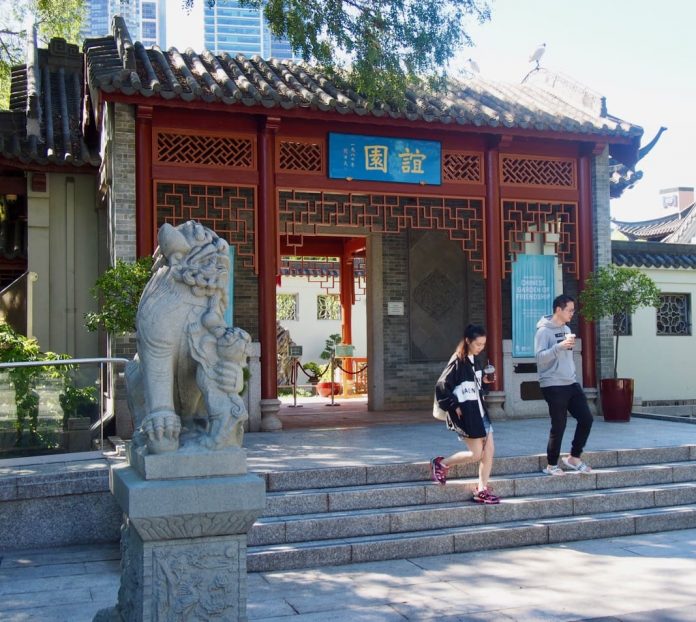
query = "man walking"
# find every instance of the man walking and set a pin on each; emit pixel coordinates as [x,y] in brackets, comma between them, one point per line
[553,345]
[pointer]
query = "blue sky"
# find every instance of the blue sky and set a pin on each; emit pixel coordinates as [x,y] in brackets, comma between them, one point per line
[639,54]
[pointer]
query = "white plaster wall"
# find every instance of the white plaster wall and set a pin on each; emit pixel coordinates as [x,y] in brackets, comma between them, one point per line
[662,367]
[309,332]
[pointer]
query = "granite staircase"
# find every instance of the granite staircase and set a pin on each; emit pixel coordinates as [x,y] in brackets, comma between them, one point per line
[376,512]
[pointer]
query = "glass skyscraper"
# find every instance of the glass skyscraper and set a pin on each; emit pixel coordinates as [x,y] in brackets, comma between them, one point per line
[232,28]
[145,19]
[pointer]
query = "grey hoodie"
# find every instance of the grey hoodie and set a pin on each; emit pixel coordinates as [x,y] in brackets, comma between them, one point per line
[554,364]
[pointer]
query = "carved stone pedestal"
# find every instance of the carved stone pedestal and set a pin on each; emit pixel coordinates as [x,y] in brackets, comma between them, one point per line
[494,404]
[183,541]
[592,395]
[269,415]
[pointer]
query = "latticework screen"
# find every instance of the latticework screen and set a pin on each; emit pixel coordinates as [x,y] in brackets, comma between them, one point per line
[227,210]
[205,151]
[534,171]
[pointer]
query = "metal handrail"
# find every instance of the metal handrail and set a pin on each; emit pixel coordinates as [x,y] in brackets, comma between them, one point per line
[54,362]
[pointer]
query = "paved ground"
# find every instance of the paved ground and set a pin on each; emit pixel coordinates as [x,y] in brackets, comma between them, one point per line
[632,579]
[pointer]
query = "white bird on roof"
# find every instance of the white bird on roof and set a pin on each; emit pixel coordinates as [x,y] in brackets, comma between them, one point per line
[538,53]
[472,66]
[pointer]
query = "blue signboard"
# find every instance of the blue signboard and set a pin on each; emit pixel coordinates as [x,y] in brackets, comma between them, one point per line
[533,278]
[376,158]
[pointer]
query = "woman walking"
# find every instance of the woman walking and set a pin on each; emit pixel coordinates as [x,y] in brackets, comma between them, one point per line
[459,392]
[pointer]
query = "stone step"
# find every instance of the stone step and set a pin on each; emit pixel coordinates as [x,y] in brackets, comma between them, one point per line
[333,477]
[469,538]
[409,493]
[411,518]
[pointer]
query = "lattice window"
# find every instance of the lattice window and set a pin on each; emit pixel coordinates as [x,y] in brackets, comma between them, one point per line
[557,222]
[623,324]
[286,307]
[227,210]
[674,315]
[531,171]
[213,151]
[462,166]
[329,307]
[317,213]
[300,156]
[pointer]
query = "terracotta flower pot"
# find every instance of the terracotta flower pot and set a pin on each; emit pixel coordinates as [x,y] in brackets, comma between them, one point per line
[616,395]
[324,388]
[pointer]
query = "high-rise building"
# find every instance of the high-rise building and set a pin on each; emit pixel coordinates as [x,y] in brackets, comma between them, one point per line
[99,13]
[231,28]
[224,27]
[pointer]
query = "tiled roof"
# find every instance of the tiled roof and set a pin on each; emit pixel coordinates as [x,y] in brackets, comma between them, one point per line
[44,123]
[653,255]
[116,64]
[656,228]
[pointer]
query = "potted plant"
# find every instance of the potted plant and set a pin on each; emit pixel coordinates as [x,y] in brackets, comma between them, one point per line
[614,292]
[327,381]
[313,371]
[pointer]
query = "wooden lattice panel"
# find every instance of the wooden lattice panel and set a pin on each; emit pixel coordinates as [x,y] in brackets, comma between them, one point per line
[517,170]
[208,151]
[300,156]
[556,222]
[462,167]
[312,213]
[227,210]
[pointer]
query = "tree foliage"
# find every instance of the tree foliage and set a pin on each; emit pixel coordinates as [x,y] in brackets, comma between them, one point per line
[380,46]
[611,291]
[53,18]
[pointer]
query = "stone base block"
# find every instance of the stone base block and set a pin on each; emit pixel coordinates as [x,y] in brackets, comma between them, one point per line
[187,463]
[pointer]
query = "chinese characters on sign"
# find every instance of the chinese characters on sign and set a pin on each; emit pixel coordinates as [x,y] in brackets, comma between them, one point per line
[532,297]
[377,158]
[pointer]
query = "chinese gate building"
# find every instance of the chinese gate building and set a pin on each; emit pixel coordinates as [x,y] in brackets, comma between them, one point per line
[440,198]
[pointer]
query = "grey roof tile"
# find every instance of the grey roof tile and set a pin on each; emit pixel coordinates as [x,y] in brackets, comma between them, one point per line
[653,255]
[117,65]
[44,123]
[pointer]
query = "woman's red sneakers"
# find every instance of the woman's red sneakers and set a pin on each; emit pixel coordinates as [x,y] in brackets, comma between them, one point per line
[485,496]
[438,471]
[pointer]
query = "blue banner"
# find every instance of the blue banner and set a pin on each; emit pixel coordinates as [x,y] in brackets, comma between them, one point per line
[533,278]
[376,158]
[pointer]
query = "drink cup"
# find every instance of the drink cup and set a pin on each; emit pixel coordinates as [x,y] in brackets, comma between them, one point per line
[571,336]
[489,370]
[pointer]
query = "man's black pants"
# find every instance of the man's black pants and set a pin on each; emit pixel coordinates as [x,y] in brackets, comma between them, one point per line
[562,400]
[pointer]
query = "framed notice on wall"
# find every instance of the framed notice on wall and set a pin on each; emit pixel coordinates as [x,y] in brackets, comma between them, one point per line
[532,297]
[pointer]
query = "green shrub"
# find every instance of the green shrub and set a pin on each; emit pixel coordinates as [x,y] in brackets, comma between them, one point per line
[118,291]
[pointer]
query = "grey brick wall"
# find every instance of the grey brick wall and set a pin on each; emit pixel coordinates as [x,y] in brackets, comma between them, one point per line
[601,230]
[409,384]
[122,207]
[246,300]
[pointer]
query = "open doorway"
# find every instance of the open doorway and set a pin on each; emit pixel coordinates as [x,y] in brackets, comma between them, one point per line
[321,309]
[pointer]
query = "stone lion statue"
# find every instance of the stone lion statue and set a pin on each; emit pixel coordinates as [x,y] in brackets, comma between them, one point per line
[184,383]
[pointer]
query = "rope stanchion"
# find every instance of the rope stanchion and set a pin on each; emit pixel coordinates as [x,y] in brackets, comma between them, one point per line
[293,380]
[332,363]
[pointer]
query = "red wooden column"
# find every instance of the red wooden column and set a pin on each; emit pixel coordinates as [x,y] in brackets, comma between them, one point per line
[268,269]
[144,216]
[585,266]
[346,298]
[494,277]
